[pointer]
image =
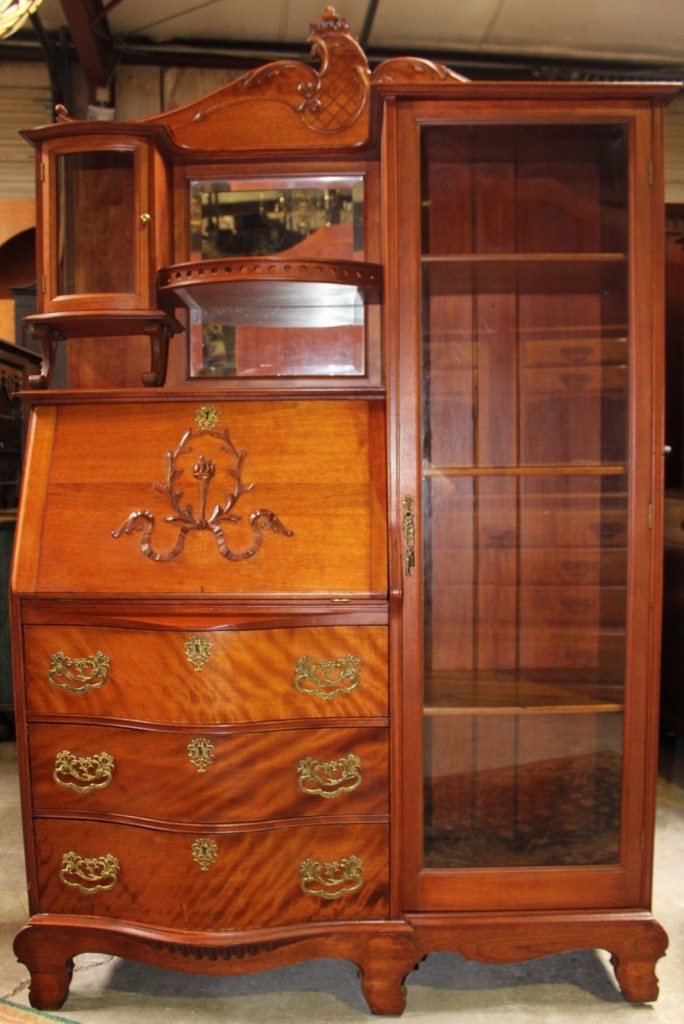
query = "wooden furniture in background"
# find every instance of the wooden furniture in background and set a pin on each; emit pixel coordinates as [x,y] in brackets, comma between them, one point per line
[339,636]
[16,363]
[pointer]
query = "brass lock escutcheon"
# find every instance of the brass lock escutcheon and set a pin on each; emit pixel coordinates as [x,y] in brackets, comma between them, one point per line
[201,753]
[89,875]
[329,779]
[197,651]
[78,675]
[327,679]
[83,774]
[204,852]
[409,531]
[331,880]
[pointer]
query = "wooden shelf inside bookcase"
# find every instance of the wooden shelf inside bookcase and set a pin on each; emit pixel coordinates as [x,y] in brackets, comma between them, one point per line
[536,272]
[510,692]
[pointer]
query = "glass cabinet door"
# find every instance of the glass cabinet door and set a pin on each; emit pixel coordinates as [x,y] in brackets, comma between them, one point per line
[521,489]
[98,255]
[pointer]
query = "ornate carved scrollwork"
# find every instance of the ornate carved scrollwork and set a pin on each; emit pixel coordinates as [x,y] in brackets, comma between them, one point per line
[222,513]
[333,879]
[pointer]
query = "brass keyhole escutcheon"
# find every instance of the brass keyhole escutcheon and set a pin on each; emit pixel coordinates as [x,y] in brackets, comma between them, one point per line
[197,651]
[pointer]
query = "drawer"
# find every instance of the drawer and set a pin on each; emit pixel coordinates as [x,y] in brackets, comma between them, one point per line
[213,880]
[208,776]
[221,677]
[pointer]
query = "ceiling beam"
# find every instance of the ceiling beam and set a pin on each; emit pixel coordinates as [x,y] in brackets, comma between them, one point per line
[93,43]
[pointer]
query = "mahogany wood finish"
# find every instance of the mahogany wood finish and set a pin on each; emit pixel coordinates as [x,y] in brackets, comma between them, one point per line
[352,657]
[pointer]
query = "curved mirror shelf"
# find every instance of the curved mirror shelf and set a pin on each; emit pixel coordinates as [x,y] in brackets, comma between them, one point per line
[276,316]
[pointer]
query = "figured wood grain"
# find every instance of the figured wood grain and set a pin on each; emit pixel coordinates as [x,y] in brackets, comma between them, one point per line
[254,881]
[249,677]
[250,777]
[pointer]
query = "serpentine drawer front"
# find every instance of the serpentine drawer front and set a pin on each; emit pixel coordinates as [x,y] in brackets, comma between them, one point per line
[209,879]
[217,677]
[207,776]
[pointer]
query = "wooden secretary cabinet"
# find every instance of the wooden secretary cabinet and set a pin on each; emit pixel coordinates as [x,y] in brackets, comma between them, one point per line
[338,637]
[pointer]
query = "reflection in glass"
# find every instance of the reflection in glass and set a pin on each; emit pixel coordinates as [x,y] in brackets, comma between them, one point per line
[525,493]
[96,222]
[318,331]
[260,218]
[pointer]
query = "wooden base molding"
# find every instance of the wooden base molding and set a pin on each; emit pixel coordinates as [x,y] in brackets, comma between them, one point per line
[634,939]
[385,953]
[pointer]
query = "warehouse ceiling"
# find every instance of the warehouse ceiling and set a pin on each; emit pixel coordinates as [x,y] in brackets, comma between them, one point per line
[585,39]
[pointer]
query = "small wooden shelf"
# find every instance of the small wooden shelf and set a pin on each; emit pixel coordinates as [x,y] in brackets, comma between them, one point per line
[510,692]
[50,328]
[267,290]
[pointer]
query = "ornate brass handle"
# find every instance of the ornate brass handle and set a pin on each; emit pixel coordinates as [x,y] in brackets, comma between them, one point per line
[409,530]
[83,774]
[327,679]
[78,675]
[329,778]
[89,874]
[204,852]
[333,879]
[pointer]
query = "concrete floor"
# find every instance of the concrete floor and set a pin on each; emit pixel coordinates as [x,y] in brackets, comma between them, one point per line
[566,989]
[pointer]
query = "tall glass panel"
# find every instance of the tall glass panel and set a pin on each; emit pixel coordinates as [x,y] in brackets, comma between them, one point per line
[524,409]
[96,222]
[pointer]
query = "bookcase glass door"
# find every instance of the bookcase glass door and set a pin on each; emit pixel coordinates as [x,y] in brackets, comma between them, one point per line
[525,399]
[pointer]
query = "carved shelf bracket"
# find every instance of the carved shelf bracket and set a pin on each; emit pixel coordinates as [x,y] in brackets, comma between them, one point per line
[51,328]
[221,515]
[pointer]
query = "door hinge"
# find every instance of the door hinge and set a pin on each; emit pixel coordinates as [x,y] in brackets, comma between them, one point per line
[42,283]
[650,517]
[650,172]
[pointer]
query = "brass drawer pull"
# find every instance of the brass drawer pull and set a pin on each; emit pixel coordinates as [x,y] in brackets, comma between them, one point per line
[201,753]
[327,679]
[78,675]
[83,774]
[89,874]
[204,852]
[333,879]
[329,778]
[197,651]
